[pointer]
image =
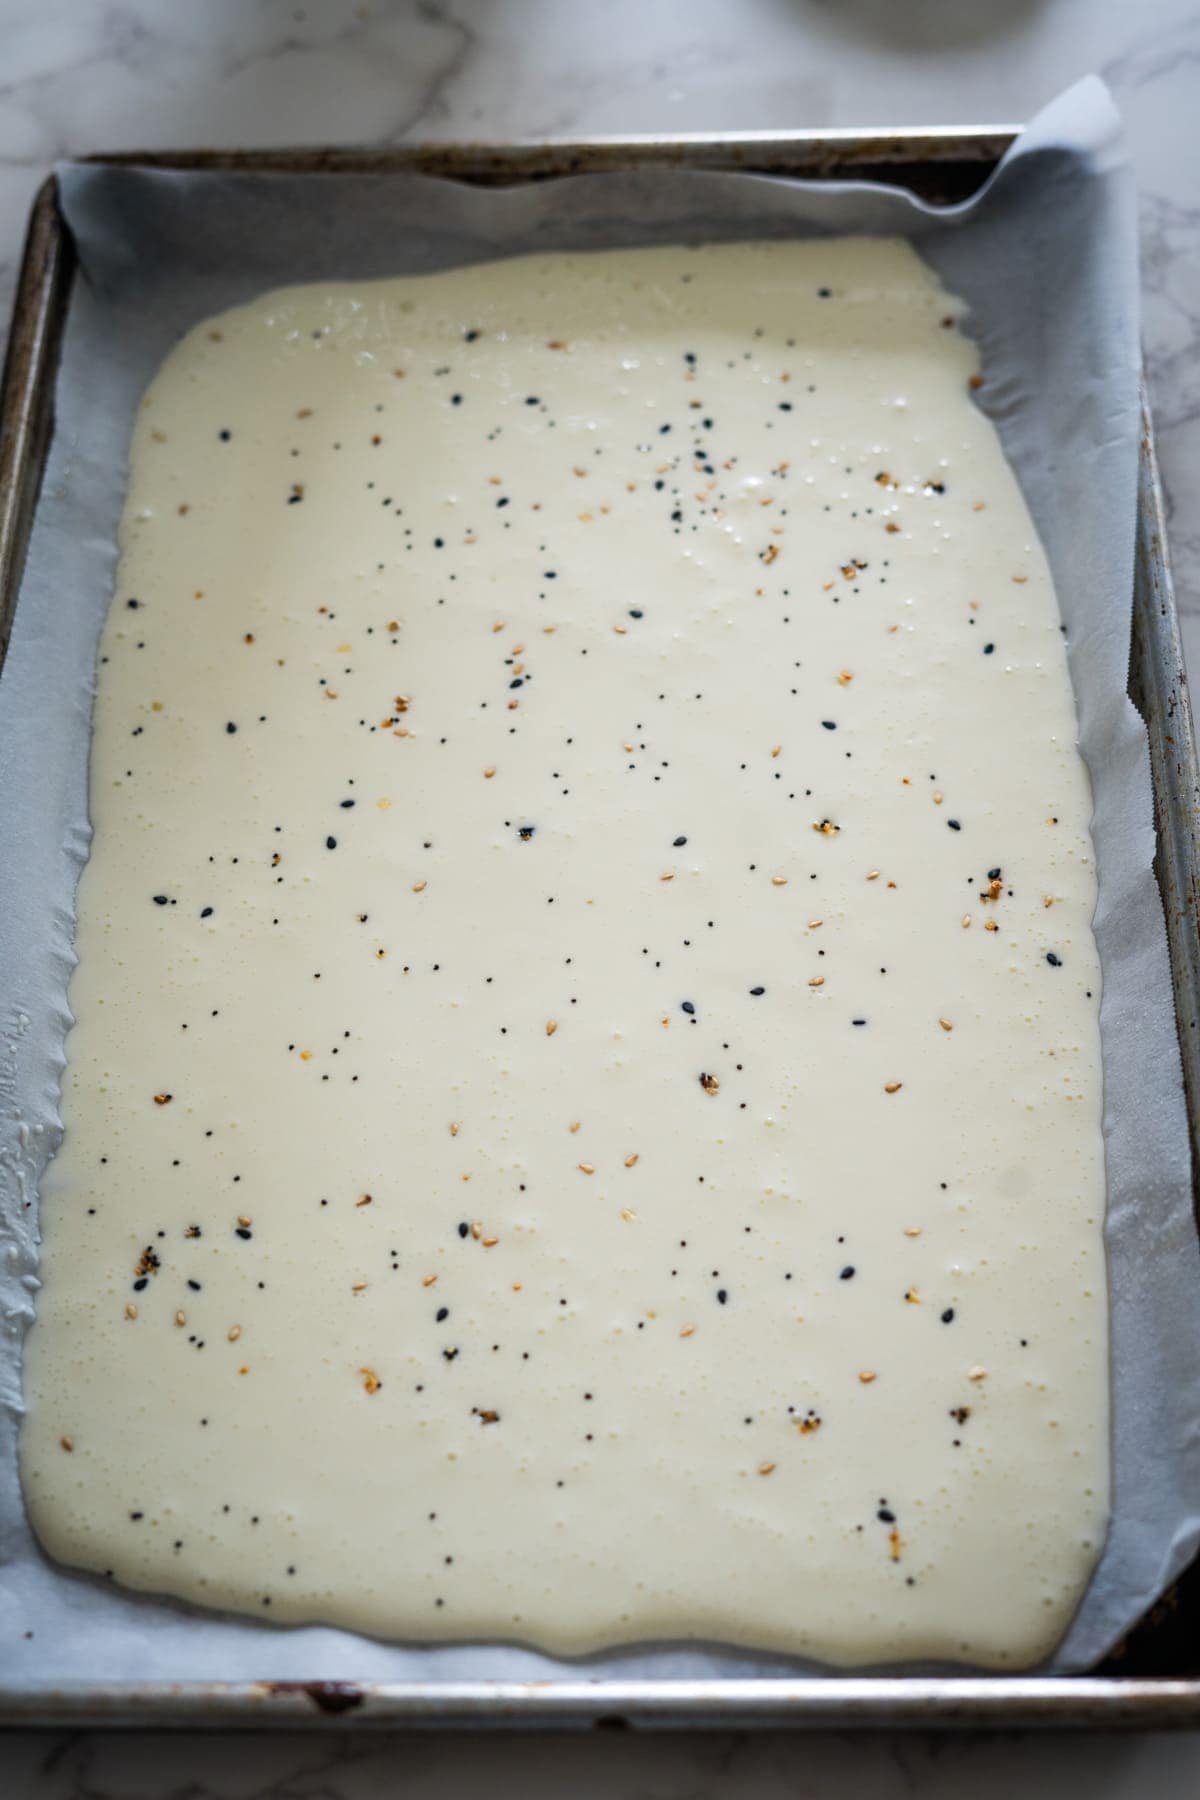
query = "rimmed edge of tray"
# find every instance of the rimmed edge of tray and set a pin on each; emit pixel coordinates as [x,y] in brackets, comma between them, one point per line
[944,163]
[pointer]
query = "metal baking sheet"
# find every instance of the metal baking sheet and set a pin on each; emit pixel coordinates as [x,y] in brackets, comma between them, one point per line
[942,166]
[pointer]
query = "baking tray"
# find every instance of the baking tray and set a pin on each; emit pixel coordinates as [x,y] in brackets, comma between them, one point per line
[1152,1680]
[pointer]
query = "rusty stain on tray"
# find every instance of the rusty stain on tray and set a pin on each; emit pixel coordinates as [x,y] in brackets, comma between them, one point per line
[331,1697]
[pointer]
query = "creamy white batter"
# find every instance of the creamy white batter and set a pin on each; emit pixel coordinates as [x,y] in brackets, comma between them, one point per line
[584,1118]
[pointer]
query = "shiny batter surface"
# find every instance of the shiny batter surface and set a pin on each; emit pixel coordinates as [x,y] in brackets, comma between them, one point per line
[583,1123]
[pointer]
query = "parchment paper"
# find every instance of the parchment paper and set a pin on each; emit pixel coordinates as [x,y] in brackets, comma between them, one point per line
[1047,258]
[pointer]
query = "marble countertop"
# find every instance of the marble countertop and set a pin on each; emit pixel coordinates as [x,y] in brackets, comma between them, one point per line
[79,75]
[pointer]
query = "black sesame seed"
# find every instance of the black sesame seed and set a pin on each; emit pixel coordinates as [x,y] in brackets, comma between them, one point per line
[954,824]
[1054,961]
[948,1315]
[756,991]
[847,1273]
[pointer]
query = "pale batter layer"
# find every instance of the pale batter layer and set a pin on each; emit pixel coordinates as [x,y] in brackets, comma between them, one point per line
[583,1123]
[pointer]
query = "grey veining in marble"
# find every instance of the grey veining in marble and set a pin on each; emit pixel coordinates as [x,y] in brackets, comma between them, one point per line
[634,1767]
[79,75]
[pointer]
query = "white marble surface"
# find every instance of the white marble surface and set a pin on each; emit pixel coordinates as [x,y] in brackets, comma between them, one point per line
[79,75]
